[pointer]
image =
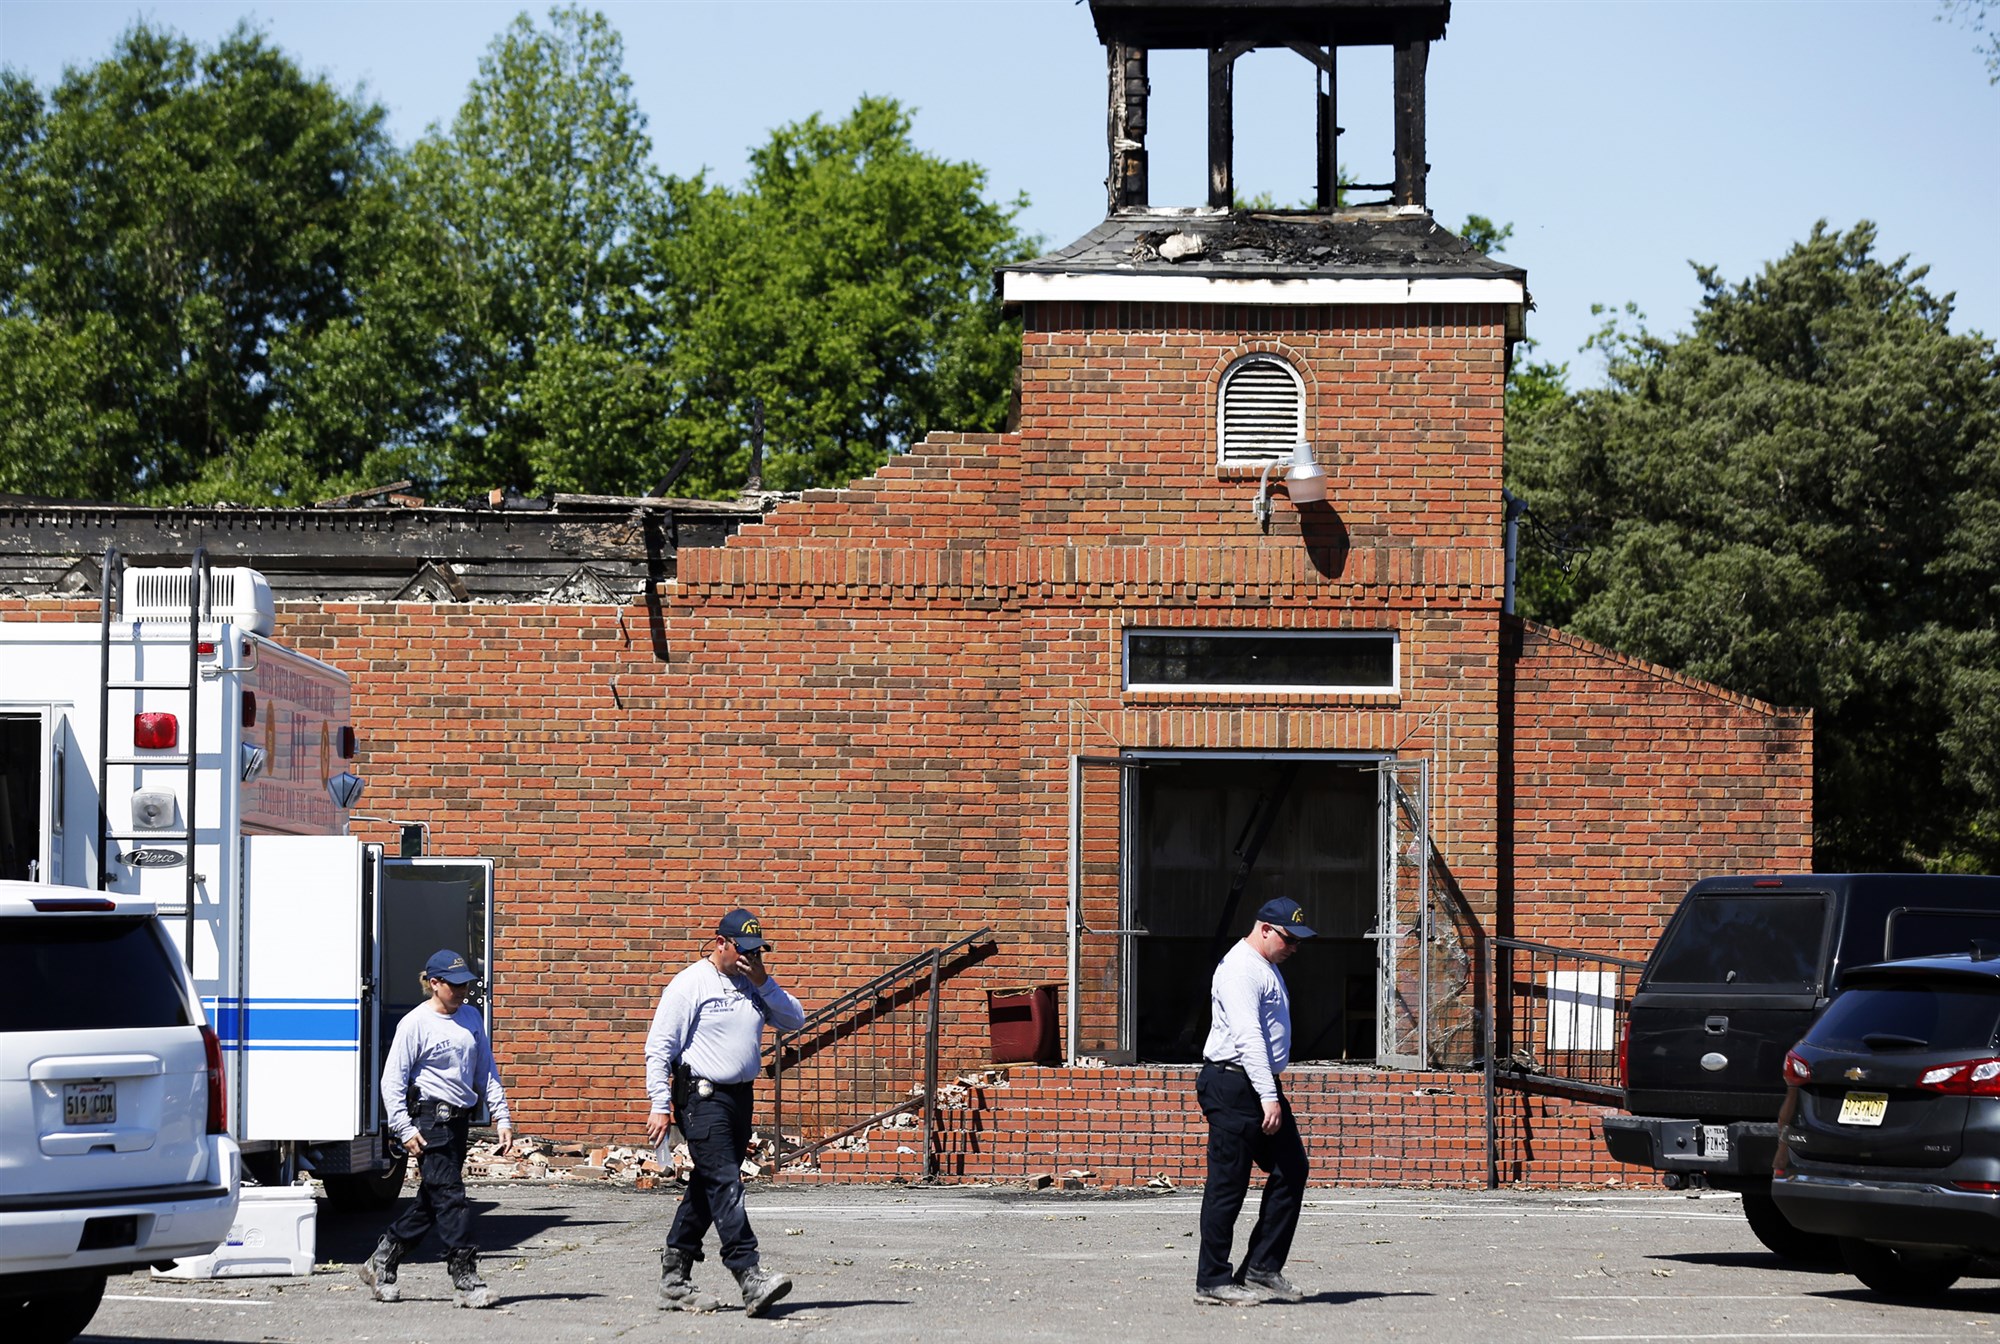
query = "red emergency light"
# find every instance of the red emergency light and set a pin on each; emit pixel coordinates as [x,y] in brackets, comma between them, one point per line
[155,729]
[249,709]
[347,744]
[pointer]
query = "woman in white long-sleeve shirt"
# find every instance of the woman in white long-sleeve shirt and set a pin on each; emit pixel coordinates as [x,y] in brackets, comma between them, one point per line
[439,1068]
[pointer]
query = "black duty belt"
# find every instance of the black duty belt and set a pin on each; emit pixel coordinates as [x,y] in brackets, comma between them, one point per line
[692,1083]
[1226,1065]
[443,1110]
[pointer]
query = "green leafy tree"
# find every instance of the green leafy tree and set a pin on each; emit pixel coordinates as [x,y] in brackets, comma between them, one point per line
[1483,235]
[533,216]
[848,287]
[1538,398]
[1799,500]
[1976,15]
[178,229]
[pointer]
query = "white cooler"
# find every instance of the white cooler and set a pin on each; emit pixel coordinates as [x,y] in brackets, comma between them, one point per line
[274,1234]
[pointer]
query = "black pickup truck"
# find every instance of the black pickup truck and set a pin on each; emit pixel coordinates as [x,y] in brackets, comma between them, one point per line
[1744,966]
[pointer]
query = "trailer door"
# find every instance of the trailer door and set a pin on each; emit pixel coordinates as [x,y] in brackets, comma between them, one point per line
[296,1027]
[426,905]
[30,794]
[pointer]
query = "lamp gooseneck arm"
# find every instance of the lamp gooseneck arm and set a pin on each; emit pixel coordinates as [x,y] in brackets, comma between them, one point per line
[1261,506]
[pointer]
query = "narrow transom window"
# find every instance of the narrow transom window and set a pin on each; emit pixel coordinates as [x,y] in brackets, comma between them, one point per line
[1263,409]
[1260,660]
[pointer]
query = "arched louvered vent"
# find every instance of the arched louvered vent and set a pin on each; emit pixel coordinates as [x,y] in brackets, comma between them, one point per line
[1263,409]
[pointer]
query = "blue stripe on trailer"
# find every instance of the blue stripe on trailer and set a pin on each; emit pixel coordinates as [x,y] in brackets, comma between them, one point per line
[296,1023]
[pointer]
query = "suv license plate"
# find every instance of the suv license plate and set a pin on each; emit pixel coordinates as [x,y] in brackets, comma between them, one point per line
[90,1103]
[1715,1142]
[1864,1108]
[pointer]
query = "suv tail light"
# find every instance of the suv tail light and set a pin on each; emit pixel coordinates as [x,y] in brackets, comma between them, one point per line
[1797,1072]
[218,1095]
[1967,1078]
[1625,1053]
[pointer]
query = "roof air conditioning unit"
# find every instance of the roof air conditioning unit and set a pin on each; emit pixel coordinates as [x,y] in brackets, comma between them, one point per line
[239,596]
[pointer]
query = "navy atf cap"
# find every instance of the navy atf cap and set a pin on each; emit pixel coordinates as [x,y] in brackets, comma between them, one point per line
[741,927]
[1287,916]
[448,966]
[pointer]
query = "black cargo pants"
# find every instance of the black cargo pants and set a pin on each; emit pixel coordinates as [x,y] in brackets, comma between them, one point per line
[1236,1140]
[717,1129]
[440,1200]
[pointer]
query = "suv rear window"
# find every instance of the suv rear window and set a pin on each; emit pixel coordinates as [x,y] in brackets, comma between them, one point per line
[87,973]
[1743,939]
[1952,1016]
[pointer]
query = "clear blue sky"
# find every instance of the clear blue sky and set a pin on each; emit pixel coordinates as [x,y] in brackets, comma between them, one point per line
[1621,140]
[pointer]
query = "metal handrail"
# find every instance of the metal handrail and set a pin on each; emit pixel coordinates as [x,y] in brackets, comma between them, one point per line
[921,973]
[1568,1051]
[873,988]
[821,1144]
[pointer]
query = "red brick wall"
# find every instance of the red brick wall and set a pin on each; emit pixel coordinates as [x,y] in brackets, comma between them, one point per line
[1630,781]
[1118,421]
[857,718]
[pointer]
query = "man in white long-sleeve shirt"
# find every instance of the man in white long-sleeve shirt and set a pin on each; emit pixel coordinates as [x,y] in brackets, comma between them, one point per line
[1249,1120]
[702,1060]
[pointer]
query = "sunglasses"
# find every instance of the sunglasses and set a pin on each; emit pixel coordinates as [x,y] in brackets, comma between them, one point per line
[1290,939]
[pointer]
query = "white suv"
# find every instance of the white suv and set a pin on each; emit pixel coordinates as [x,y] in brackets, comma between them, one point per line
[114,1151]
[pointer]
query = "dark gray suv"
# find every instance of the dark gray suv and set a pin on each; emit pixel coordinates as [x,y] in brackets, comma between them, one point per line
[1890,1135]
[1742,970]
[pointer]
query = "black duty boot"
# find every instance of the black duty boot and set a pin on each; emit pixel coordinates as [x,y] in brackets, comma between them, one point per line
[761,1288]
[677,1290]
[467,1288]
[378,1271]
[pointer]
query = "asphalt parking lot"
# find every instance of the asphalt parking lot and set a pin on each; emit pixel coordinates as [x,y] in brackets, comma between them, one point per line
[578,1262]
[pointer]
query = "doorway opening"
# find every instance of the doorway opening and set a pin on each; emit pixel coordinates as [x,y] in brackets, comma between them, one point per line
[1212,838]
[20,796]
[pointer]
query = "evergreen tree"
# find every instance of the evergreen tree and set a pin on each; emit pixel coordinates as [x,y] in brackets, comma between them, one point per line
[1799,500]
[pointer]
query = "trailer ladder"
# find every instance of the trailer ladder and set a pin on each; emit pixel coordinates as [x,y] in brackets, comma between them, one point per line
[111,607]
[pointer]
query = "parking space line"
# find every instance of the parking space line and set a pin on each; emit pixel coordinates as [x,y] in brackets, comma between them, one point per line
[1678,1297]
[1776,1334]
[190,1301]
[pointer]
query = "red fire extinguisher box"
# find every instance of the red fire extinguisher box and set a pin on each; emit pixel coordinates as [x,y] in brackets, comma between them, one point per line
[1024,1024]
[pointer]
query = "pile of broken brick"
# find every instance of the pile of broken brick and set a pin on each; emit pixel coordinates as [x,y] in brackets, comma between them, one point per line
[644,1167]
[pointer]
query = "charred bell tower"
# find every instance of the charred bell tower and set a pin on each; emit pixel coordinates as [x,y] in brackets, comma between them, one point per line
[1226,30]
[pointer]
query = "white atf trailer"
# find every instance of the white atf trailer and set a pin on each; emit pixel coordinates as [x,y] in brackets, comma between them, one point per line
[225,764]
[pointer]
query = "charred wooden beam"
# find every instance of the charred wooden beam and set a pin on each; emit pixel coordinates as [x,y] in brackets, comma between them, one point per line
[1222,124]
[617,544]
[1125,126]
[1411,61]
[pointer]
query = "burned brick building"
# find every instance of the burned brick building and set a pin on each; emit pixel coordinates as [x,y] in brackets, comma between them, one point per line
[1225,616]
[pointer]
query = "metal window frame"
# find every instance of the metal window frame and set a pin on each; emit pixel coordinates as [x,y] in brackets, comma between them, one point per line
[1138,758]
[1393,688]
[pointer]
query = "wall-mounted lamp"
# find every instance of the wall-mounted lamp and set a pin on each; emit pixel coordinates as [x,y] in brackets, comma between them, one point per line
[1305,483]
